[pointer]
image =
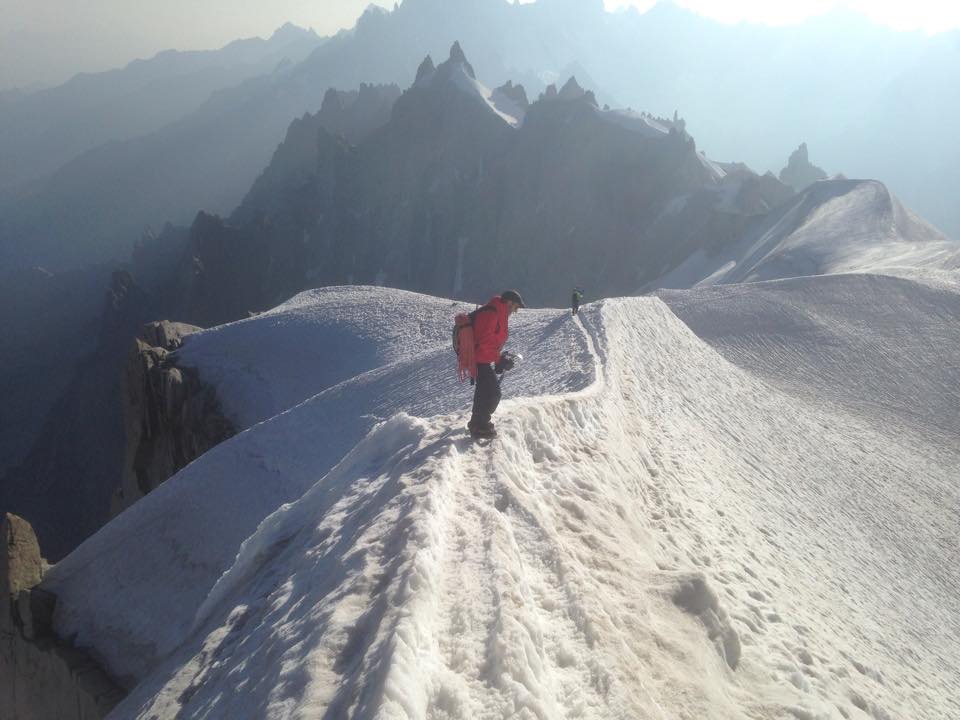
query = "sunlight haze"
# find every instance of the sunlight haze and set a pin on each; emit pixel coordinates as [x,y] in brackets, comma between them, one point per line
[47,43]
[929,15]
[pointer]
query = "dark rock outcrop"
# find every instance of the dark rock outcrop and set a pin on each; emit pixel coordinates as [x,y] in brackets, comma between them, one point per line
[800,173]
[425,69]
[41,676]
[344,117]
[756,194]
[516,93]
[457,56]
[171,417]
[572,91]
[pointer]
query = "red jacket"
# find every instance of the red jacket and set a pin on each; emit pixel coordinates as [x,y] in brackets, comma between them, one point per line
[490,331]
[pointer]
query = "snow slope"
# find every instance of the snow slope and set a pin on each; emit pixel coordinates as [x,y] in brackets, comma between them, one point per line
[834,226]
[661,530]
[879,343]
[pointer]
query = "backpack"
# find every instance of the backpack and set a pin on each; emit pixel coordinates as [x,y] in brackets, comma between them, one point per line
[463,342]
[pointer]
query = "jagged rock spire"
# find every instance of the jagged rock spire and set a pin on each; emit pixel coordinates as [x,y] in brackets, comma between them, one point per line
[571,90]
[457,56]
[332,101]
[516,93]
[426,68]
[800,173]
[456,52]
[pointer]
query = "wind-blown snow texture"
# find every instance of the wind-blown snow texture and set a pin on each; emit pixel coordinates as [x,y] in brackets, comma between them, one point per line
[667,527]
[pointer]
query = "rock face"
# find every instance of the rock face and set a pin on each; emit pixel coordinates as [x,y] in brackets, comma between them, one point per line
[800,173]
[755,194]
[171,417]
[352,115]
[516,93]
[454,195]
[41,677]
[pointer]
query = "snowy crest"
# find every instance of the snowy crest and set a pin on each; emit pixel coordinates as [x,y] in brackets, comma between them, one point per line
[834,226]
[662,529]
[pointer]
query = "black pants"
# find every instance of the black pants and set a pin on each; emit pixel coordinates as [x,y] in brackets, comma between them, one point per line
[486,395]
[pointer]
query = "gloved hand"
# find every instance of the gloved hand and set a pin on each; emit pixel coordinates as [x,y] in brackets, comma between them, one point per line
[505,363]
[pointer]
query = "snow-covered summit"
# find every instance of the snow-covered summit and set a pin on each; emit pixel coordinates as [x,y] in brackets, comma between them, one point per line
[834,226]
[658,532]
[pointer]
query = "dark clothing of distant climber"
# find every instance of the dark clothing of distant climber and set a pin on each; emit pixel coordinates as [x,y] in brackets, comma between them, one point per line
[575,301]
[490,332]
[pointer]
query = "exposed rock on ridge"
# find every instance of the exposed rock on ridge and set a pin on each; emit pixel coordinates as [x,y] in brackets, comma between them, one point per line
[800,173]
[516,93]
[425,69]
[171,416]
[457,56]
[41,677]
[350,115]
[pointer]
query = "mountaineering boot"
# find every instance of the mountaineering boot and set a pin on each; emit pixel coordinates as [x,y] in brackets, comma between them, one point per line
[482,431]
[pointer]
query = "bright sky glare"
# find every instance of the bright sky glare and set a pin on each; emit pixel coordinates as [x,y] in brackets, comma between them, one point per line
[929,15]
[48,42]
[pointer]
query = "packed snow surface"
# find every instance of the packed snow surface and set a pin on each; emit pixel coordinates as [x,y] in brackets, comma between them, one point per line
[669,526]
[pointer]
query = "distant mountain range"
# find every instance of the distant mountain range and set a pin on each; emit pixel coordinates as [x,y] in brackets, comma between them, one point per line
[43,130]
[467,188]
[866,99]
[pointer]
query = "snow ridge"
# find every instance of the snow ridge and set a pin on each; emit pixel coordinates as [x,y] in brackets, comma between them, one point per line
[657,533]
[835,226]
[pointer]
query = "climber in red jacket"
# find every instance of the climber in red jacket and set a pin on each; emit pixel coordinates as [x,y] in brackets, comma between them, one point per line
[490,331]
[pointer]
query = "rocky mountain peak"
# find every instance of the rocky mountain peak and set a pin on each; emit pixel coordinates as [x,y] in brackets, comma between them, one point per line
[800,173]
[570,92]
[426,68]
[456,62]
[288,32]
[457,57]
[456,52]
[573,91]
[516,93]
[332,101]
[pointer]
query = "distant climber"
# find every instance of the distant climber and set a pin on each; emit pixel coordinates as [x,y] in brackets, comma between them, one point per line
[576,300]
[479,339]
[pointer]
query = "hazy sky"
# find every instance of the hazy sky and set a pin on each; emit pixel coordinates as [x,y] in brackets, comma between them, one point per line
[928,15]
[47,41]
